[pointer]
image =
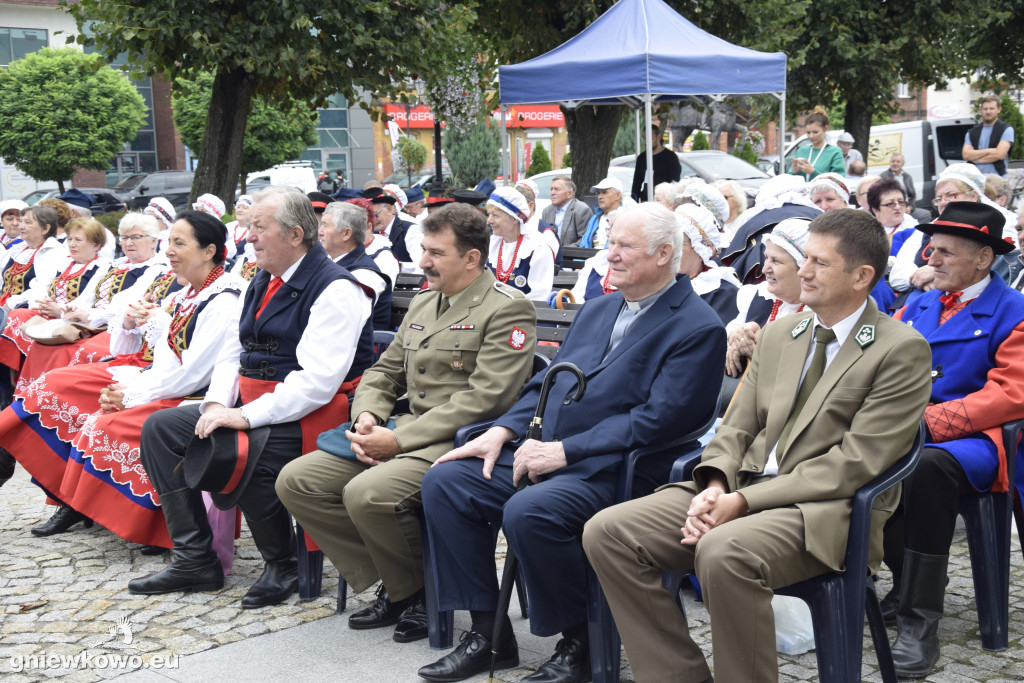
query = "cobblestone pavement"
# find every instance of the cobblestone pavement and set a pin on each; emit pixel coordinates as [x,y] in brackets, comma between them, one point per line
[65,595]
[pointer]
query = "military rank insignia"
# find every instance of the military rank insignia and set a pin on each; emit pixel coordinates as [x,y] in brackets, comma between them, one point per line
[798,330]
[865,336]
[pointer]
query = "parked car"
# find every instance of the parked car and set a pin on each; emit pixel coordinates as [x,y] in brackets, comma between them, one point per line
[298,174]
[710,165]
[423,178]
[175,186]
[106,201]
[543,180]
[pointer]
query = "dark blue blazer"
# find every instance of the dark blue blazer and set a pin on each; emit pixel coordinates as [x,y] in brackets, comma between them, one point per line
[659,383]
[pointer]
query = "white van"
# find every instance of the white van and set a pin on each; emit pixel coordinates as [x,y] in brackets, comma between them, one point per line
[298,174]
[927,148]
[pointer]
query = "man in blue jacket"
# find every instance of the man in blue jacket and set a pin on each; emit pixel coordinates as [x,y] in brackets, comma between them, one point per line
[653,354]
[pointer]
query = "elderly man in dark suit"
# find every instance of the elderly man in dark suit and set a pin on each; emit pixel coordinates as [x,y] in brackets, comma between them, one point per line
[905,179]
[831,400]
[653,354]
[569,215]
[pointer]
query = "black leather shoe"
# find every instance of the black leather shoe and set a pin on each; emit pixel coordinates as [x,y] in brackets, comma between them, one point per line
[569,664]
[412,625]
[471,657]
[277,583]
[381,613]
[153,550]
[62,520]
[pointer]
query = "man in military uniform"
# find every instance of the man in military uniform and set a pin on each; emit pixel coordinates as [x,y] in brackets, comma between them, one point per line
[462,353]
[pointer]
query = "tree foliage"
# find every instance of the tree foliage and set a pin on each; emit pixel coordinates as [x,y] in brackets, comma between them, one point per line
[856,53]
[299,48]
[63,110]
[625,138]
[276,131]
[473,154]
[700,141]
[1010,113]
[992,34]
[411,154]
[540,161]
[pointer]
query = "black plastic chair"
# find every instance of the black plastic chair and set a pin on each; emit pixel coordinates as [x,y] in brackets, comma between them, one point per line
[988,518]
[839,602]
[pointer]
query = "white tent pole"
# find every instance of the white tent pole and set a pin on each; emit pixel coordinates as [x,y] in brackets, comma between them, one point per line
[636,127]
[504,145]
[649,178]
[782,130]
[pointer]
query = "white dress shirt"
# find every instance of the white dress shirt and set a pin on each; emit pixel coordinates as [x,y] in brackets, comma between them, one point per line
[336,321]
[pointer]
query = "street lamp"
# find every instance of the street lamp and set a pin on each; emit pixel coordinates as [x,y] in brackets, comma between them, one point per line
[437,186]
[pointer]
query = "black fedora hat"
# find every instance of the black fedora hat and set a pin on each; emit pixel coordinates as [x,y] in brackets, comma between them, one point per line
[224,462]
[377,195]
[973,221]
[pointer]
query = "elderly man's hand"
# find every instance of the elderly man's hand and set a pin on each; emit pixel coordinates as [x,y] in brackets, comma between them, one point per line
[487,447]
[217,415]
[537,458]
[922,278]
[741,345]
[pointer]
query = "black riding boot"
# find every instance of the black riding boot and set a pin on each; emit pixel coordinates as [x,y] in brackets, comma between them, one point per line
[7,462]
[194,564]
[275,539]
[922,592]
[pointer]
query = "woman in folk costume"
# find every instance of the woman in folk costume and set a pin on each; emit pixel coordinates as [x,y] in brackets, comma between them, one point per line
[518,258]
[79,272]
[40,258]
[776,297]
[95,471]
[715,284]
[238,229]
[594,278]
[128,280]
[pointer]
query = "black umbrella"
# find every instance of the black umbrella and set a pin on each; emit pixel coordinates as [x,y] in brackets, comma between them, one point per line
[534,432]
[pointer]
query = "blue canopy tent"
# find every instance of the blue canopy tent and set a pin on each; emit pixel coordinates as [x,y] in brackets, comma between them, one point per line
[640,52]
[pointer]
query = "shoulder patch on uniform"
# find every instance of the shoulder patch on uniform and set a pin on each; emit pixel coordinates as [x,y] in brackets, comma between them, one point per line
[510,292]
[801,326]
[517,339]
[865,336]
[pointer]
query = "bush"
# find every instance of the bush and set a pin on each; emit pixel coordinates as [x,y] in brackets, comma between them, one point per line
[540,162]
[700,141]
[625,138]
[1012,116]
[746,151]
[411,153]
[473,154]
[110,220]
[567,160]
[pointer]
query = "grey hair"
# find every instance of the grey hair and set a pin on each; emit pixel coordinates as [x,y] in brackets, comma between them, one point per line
[660,227]
[738,193]
[82,211]
[567,181]
[349,216]
[293,209]
[142,221]
[996,186]
[666,191]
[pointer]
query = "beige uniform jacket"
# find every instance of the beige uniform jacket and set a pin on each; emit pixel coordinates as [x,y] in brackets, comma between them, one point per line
[465,366]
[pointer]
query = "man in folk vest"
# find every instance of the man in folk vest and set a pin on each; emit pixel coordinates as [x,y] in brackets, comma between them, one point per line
[303,338]
[987,144]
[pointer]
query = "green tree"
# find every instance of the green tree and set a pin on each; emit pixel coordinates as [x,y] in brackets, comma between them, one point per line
[856,53]
[275,132]
[412,153]
[540,162]
[473,154]
[625,138]
[567,159]
[700,141]
[1010,113]
[992,34]
[277,48]
[63,110]
[745,151]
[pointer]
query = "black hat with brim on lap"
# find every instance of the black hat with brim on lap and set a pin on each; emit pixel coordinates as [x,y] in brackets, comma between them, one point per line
[223,463]
[974,221]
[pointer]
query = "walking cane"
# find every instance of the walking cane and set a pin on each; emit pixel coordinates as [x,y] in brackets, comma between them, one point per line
[511,561]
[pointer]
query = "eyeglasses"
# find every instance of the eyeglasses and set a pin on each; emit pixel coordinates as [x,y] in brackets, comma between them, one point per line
[379,211]
[132,238]
[894,204]
[948,197]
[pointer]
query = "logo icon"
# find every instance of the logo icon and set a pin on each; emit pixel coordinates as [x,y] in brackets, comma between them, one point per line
[517,339]
[124,628]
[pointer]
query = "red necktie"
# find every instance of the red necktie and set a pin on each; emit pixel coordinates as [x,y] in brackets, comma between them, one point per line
[275,284]
[950,299]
